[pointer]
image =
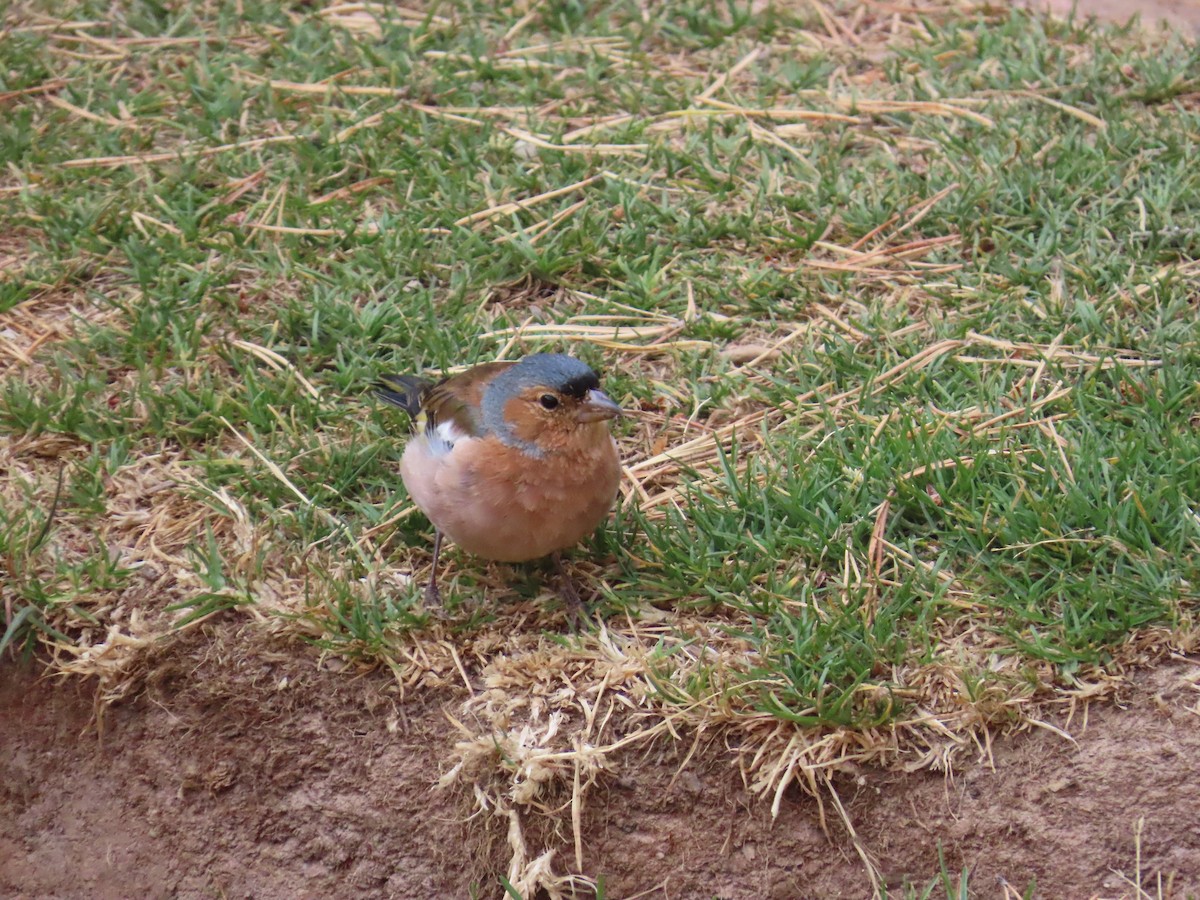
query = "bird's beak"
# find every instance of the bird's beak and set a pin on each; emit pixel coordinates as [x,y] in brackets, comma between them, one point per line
[597,407]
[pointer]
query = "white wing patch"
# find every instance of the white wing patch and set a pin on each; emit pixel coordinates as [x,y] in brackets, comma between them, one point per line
[443,438]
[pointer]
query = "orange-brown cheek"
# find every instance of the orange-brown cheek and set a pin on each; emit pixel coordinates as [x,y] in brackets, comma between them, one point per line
[526,423]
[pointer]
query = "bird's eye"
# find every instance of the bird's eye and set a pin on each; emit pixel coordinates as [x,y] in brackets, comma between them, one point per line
[549,401]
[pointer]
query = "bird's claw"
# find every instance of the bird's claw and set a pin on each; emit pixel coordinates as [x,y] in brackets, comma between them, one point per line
[576,609]
[433,598]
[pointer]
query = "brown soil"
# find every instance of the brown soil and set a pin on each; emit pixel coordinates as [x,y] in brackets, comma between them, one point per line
[262,775]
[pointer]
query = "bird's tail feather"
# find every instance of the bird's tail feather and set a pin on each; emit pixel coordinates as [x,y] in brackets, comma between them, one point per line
[404,391]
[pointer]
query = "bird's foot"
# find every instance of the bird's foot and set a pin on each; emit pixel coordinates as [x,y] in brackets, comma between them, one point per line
[433,598]
[576,609]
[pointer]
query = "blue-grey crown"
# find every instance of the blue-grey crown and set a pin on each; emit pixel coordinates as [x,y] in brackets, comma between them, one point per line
[556,371]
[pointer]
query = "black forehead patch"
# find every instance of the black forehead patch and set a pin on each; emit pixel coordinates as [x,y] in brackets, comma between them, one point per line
[579,386]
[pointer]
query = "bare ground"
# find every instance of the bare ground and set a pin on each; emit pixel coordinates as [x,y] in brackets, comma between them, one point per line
[262,775]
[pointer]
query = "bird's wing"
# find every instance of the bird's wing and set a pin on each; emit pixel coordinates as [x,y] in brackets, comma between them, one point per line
[404,391]
[447,410]
[455,404]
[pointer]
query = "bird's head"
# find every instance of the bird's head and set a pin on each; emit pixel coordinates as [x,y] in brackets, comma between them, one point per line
[546,401]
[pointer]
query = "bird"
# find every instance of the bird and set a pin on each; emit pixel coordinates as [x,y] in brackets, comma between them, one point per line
[512,461]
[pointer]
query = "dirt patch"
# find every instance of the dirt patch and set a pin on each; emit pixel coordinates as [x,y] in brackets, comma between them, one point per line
[1059,814]
[279,782]
[264,775]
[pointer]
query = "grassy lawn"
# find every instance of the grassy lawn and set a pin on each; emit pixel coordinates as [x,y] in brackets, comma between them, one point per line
[903,302]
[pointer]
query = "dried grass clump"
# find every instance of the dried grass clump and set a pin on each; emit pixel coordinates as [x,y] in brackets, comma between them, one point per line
[156,517]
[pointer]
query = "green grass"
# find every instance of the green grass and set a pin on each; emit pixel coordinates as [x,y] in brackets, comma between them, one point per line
[1041,502]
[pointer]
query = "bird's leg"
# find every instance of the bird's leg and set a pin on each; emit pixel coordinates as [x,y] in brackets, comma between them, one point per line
[433,597]
[570,594]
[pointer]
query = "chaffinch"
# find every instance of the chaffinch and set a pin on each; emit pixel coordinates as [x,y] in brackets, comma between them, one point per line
[512,461]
